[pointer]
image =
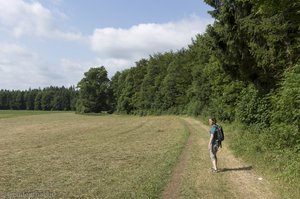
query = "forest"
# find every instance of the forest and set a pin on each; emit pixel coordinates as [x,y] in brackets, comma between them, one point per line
[46,99]
[244,70]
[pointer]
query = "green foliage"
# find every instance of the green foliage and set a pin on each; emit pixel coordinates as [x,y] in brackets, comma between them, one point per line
[253,108]
[150,97]
[127,86]
[248,44]
[29,98]
[94,91]
[286,110]
[38,101]
[194,108]
[50,98]
[284,136]
[286,103]
[47,97]
[175,84]
[277,145]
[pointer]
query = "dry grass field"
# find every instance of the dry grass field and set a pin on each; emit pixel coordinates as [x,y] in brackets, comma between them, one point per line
[66,155]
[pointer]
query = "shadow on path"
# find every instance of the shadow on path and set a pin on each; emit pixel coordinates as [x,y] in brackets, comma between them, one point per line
[236,169]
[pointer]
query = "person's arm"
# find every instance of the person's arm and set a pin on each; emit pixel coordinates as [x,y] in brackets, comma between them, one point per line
[210,141]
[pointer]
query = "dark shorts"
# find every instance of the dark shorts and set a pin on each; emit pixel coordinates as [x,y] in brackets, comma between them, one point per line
[213,151]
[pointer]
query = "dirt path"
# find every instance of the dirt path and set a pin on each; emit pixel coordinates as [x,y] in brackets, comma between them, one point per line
[192,177]
[172,189]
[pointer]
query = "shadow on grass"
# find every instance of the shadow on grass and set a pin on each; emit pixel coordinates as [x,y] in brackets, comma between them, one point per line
[236,169]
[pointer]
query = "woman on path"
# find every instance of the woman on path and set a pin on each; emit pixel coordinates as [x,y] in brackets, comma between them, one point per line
[213,144]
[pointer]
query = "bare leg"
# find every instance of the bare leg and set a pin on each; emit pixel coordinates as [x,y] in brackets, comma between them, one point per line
[214,162]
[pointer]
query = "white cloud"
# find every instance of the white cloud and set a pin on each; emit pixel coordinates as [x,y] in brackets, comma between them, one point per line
[145,39]
[26,18]
[19,67]
[72,71]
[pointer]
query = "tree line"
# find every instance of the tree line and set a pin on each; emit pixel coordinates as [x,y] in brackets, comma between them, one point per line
[49,98]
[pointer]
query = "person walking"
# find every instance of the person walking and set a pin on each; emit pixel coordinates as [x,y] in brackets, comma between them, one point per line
[213,144]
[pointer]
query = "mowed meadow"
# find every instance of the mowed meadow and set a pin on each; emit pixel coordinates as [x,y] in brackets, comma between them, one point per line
[79,156]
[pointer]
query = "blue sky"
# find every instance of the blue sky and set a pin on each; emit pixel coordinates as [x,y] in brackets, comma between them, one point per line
[53,42]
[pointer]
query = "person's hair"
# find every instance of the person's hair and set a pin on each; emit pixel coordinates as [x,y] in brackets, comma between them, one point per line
[213,119]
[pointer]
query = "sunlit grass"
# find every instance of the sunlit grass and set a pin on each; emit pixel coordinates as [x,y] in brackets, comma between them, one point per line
[76,156]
